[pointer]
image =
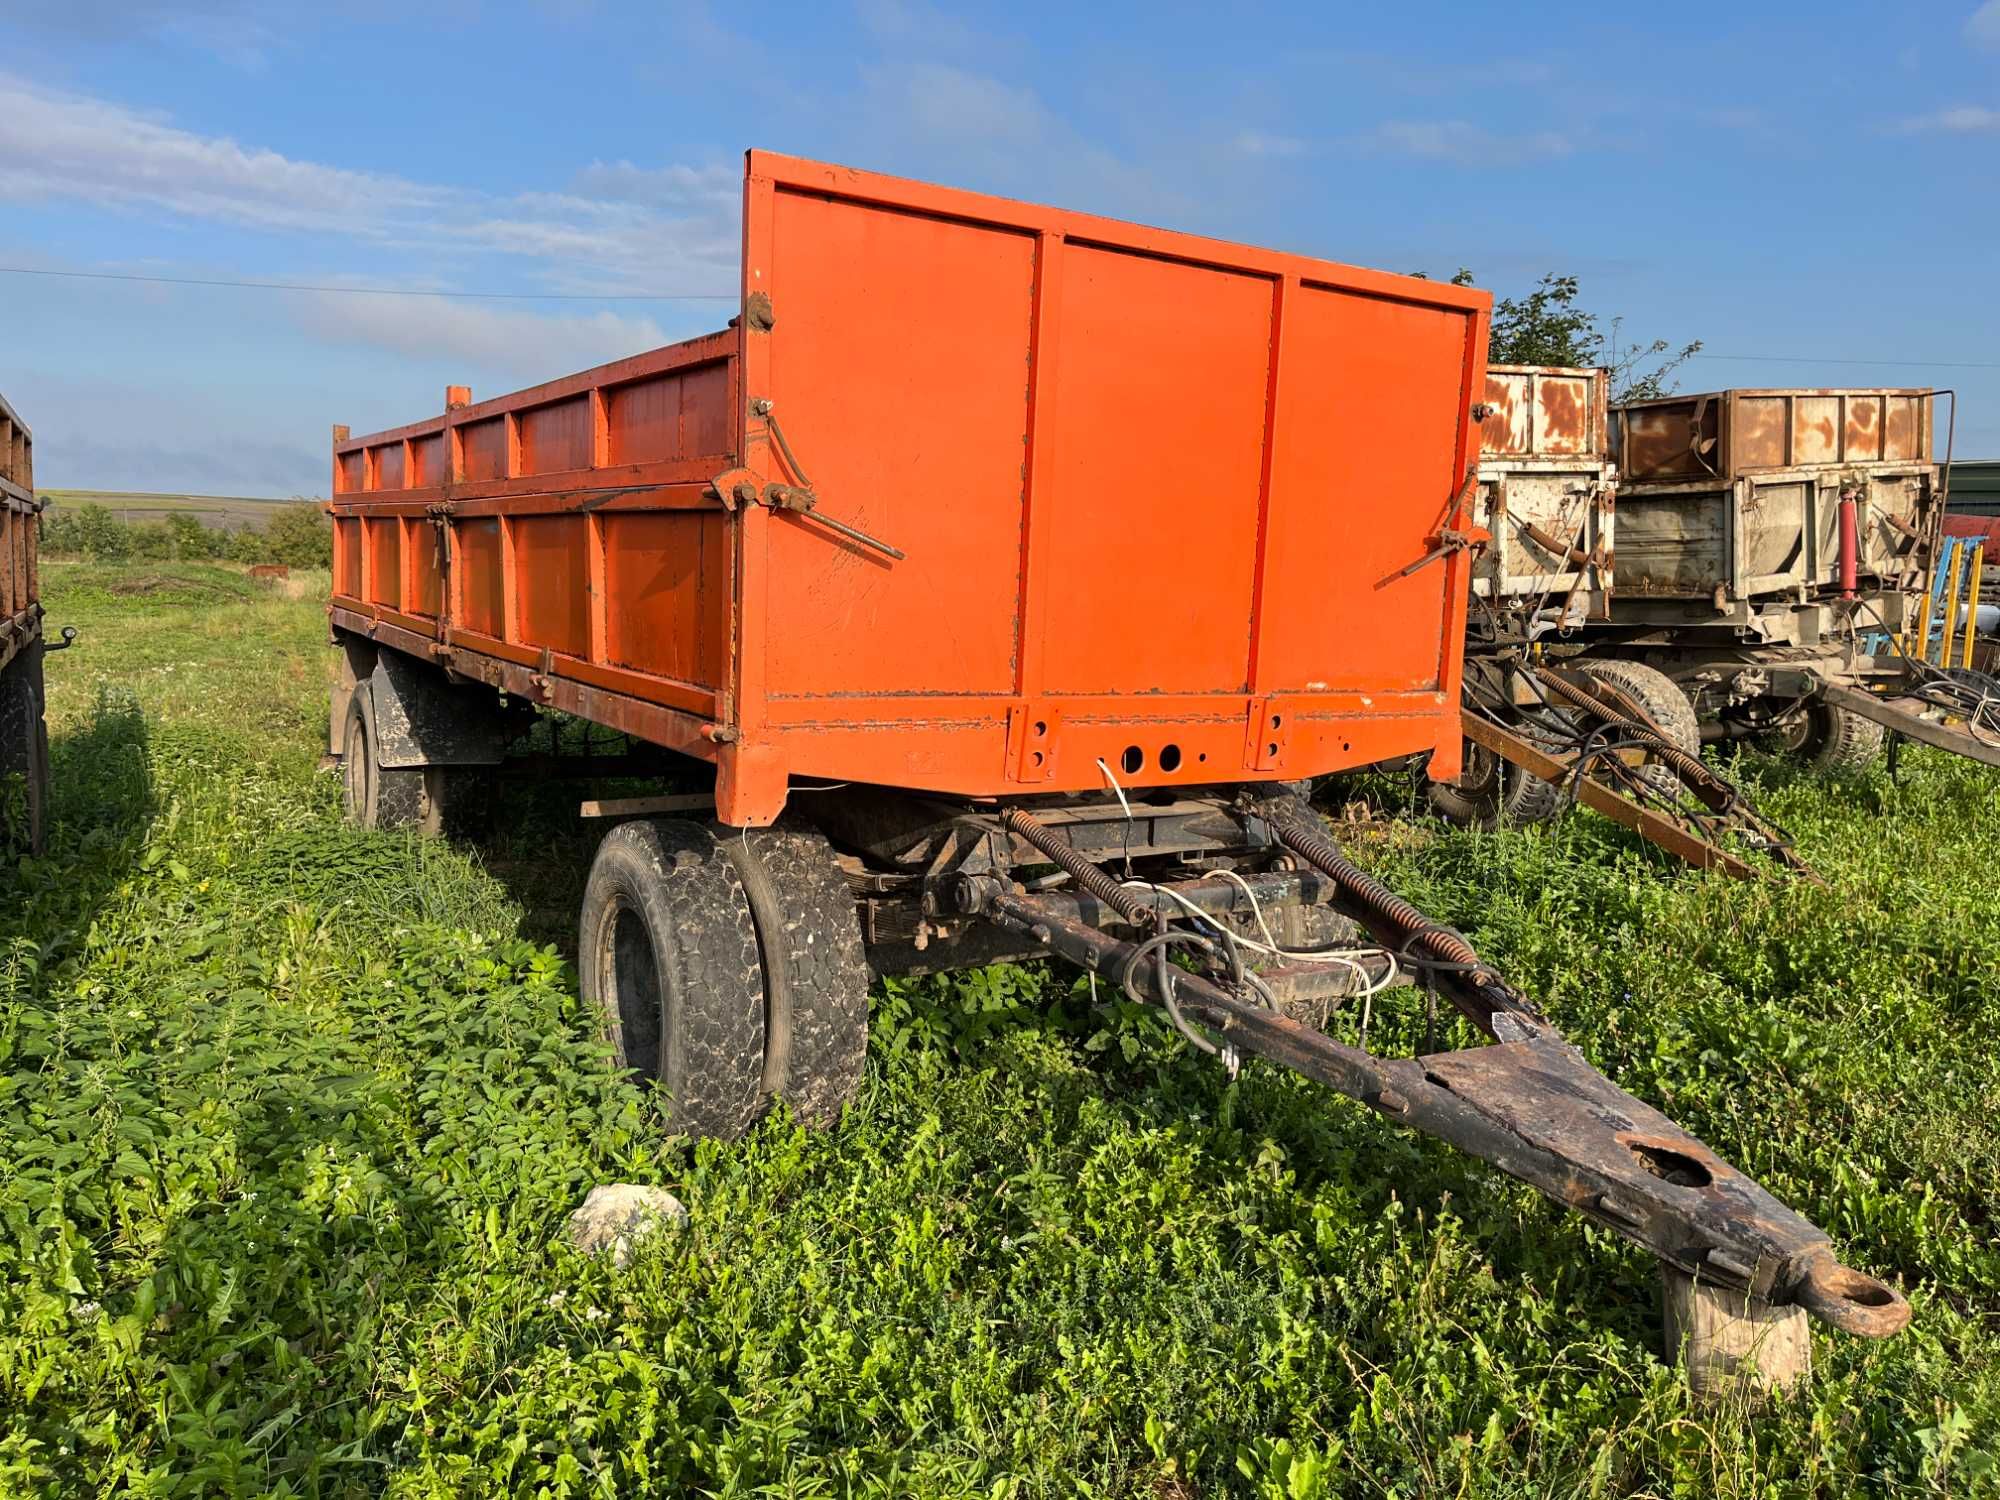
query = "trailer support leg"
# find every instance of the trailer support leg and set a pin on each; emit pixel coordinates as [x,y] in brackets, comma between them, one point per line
[1729,1342]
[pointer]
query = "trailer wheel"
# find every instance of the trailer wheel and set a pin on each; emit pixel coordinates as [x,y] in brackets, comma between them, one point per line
[1665,704]
[373,795]
[668,956]
[24,750]
[1492,791]
[1828,737]
[815,974]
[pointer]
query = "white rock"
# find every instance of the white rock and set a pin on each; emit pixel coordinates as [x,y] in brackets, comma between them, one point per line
[617,1215]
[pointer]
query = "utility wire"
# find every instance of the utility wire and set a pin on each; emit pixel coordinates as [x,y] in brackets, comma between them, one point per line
[395,291]
[1816,359]
[380,291]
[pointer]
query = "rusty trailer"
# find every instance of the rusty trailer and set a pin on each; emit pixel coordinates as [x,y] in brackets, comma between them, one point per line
[1774,547]
[24,736]
[1547,502]
[971,591]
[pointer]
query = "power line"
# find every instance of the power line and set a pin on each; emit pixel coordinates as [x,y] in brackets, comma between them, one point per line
[379,291]
[395,291]
[1817,359]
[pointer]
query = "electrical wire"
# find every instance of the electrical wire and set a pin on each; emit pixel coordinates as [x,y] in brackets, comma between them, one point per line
[374,291]
[1349,958]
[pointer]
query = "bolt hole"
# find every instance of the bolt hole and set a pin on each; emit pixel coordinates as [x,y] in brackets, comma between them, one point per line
[1133,760]
[1037,756]
[1277,720]
[1041,728]
[1203,756]
[1272,748]
[1170,757]
[1670,1165]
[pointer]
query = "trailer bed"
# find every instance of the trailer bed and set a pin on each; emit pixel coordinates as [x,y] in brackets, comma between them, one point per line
[1110,463]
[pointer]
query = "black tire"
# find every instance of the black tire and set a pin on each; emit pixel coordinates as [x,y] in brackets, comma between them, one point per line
[1827,737]
[668,957]
[1670,709]
[457,802]
[372,795]
[1492,791]
[815,973]
[24,751]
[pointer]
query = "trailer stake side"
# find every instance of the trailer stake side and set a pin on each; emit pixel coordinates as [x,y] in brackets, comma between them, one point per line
[976,577]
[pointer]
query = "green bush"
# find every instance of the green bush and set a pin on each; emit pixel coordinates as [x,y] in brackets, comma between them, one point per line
[299,535]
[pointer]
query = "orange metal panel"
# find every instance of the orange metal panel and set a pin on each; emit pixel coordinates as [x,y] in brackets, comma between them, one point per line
[666,594]
[677,415]
[425,575]
[1158,446]
[427,461]
[1861,438]
[1365,452]
[908,430]
[484,446]
[556,437]
[385,562]
[549,554]
[477,568]
[1903,428]
[347,557]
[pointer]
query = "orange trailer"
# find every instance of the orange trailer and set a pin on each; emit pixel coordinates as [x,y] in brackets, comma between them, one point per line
[1109,460]
[1051,554]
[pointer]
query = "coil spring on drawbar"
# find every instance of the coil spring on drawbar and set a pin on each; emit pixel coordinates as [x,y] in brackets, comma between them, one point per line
[1391,910]
[1133,907]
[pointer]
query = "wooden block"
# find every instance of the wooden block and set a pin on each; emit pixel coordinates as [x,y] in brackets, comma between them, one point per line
[1730,1343]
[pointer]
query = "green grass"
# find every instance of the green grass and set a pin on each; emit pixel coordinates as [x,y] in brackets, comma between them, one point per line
[291,1117]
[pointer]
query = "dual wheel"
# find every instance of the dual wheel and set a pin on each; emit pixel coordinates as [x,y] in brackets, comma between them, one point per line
[725,965]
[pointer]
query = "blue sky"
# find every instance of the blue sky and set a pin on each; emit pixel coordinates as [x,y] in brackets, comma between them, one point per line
[1798,184]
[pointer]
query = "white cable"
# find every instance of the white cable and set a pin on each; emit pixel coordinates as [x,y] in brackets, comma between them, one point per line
[1347,958]
[1113,780]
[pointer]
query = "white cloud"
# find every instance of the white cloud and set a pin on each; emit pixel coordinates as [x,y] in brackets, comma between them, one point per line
[1461,142]
[1982,27]
[468,336]
[1963,119]
[623,228]
[1261,143]
[914,25]
[931,119]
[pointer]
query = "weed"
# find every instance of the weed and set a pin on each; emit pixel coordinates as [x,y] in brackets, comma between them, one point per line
[293,1117]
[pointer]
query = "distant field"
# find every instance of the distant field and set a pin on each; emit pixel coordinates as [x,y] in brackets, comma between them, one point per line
[224,512]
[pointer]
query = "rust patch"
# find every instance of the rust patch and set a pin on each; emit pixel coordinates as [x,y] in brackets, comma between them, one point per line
[1759,439]
[1862,439]
[1657,442]
[1564,416]
[1899,428]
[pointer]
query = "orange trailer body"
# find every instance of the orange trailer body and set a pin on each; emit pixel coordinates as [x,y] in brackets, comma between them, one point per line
[1158,501]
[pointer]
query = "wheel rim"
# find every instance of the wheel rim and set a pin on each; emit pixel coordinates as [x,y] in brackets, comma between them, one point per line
[1480,777]
[629,980]
[354,770]
[1794,735]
